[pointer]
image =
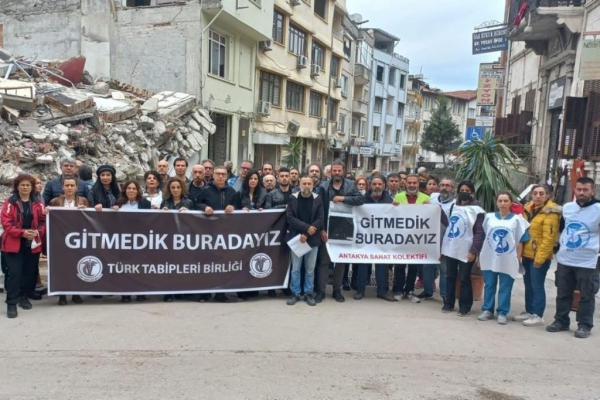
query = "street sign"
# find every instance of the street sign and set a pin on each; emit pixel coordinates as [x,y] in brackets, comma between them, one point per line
[484,121]
[475,132]
[366,151]
[490,41]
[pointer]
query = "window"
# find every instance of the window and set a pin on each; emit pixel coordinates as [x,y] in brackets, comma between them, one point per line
[315,105]
[427,103]
[217,55]
[363,129]
[270,88]
[294,96]
[335,66]
[345,85]
[364,54]
[355,127]
[256,2]
[342,123]
[456,107]
[378,104]
[376,134]
[471,113]
[400,110]
[318,55]
[297,41]
[278,27]
[392,77]
[321,8]
[402,81]
[398,136]
[333,109]
[380,70]
[347,47]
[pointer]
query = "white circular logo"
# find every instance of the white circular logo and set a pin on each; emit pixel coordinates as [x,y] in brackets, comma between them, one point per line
[261,265]
[89,269]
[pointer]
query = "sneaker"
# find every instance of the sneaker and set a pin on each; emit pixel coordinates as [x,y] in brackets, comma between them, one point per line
[293,300]
[485,316]
[359,295]
[556,327]
[338,296]
[464,313]
[320,297]
[386,297]
[582,333]
[534,321]
[424,296]
[447,309]
[419,284]
[522,317]
[11,311]
[411,296]
[398,296]
[310,300]
[502,319]
[25,304]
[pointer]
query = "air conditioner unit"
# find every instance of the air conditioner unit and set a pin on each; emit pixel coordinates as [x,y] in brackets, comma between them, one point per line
[295,2]
[264,108]
[344,94]
[266,45]
[315,70]
[293,127]
[302,62]
[338,82]
[322,122]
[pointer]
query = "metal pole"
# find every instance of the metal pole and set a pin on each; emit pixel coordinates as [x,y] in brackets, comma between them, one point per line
[326,155]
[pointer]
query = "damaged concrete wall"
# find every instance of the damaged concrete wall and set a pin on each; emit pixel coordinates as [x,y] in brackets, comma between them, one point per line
[158,48]
[48,29]
[96,24]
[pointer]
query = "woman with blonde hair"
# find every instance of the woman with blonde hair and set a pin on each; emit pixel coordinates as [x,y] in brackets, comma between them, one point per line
[544,217]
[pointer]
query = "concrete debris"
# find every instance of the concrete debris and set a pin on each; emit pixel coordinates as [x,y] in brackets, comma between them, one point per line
[96,122]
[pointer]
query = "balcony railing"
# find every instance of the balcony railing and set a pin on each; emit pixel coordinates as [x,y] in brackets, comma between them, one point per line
[516,6]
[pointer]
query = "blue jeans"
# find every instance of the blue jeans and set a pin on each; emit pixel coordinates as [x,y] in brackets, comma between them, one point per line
[310,261]
[381,277]
[535,292]
[491,279]
[429,278]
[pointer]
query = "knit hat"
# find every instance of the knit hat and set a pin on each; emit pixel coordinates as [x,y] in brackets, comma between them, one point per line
[104,168]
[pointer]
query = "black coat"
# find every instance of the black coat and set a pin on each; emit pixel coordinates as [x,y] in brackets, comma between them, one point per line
[242,200]
[185,202]
[276,199]
[296,226]
[215,198]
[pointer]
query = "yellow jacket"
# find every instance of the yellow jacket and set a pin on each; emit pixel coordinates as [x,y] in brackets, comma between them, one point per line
[543,231]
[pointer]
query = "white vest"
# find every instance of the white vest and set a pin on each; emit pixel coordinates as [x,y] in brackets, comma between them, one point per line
[579,240]
[445,206]
[458,238]
[502,236]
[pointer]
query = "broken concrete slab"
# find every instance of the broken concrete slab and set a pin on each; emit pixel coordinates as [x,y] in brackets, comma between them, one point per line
[44,159]
[8,172]
[28,126]
[146,122]
[174,104]
[70,101]
[115,110]
[17,88]
[101,88]
[18,103]
[207,125]
[150,105]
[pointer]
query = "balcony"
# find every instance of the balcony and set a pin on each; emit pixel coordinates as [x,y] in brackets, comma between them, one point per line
[360,107]
[536,22]
[361,75]
[254,21]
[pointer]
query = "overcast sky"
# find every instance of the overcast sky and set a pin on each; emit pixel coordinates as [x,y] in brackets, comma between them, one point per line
[435,35]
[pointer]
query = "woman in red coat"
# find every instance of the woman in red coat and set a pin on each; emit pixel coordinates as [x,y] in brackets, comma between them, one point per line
[23,221]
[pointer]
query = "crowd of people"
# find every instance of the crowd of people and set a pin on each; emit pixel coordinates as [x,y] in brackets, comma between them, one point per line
[502,243]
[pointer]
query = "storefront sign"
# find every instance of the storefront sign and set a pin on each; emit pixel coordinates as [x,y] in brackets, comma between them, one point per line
[556,94]
[490,41]
[589,66]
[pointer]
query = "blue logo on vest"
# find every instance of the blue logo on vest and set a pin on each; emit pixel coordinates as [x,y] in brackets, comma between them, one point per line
[457,227]
[497,241]
[576,235]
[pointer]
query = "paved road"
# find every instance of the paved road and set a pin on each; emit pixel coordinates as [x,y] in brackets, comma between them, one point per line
[263,349]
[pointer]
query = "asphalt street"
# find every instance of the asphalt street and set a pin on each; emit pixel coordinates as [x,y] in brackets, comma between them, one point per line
[264,349]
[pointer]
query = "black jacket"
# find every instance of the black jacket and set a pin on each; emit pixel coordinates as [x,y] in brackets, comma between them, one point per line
[242,200]
[296,226]
[276,199]
[185,202]
[348,190]
[215,198]
[54,189]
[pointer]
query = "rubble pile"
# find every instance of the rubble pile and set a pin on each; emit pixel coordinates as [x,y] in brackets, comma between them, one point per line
[49,110]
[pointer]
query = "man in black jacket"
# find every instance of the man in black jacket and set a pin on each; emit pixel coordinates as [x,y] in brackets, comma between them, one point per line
[377,195]
[305,218]
[278,198]
[54,188]
[339,190]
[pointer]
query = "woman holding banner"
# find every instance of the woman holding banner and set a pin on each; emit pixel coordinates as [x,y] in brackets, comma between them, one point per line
[24,225]
[105,192]
[131,200]
[69,199]
[253,195]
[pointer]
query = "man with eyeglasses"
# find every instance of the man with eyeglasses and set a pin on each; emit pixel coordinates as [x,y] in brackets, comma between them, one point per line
[54,189]
[209,167]
[237,182]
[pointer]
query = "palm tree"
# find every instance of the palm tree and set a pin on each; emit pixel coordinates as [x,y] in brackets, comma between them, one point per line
[489,164]
[295,150]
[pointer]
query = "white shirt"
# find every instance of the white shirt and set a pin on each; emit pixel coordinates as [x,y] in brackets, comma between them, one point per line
[155,199]
[130,206]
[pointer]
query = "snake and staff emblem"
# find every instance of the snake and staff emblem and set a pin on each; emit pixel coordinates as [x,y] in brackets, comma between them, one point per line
[454,231]
[499,237]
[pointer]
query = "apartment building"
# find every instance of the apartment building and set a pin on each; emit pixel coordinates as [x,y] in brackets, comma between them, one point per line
[297,71]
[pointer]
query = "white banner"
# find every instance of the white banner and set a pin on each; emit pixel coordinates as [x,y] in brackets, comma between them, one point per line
[384,234]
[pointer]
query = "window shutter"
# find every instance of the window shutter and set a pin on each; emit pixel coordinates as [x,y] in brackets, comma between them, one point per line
[573,127]
[592,128]
[512,124]
[498,131]
[591,86]
[530,100]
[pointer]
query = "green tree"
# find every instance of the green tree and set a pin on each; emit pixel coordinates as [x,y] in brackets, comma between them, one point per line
[294,151]
[441,132]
